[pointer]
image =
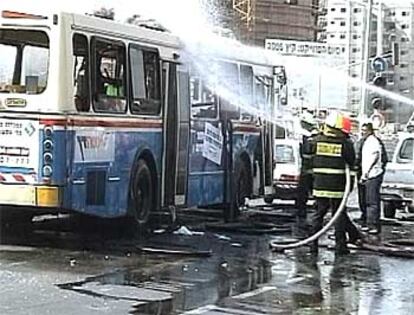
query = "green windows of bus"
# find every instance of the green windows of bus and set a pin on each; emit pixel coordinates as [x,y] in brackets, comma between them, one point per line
[109,76]
[246,93]
[263,93]
[145,81]
[229,83]
[25,60]
[203,98]
[81,72]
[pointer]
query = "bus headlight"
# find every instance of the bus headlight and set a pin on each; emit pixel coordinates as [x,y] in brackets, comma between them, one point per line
[48,145]
[47,170]
[48,130]
[48,158]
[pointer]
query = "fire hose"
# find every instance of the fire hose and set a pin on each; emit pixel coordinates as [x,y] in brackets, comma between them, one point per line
[280,247]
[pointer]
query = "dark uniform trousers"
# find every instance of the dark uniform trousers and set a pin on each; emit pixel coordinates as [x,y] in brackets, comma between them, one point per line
[305,184]
[343,224]
[303,192]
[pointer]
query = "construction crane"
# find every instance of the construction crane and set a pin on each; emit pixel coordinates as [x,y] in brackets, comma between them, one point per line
[245,15]
[245,10]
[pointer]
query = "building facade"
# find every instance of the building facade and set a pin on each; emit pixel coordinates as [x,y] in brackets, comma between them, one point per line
[397,37]
[346,24]
[285,19]
[253,21]
[390,34]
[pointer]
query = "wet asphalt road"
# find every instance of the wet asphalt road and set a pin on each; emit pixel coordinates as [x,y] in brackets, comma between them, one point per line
[59,266]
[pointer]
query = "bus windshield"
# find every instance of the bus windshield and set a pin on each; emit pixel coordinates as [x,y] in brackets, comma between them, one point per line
[24,61]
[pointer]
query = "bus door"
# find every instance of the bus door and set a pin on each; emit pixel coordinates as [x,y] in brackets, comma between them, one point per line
[263,160]
[268,134]
[207,146]
[176,134]
[268,149]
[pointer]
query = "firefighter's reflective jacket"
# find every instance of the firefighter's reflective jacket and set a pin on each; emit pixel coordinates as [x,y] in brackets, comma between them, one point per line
[331,150]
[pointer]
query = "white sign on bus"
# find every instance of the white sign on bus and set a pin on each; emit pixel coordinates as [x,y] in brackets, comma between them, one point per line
[213,143]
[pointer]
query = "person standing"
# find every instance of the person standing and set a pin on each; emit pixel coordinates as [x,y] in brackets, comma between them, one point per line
[309,131]
[358,169]
[333,150]
[372,172]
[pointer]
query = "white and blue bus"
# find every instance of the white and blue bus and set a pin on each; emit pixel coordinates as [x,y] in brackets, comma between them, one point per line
[106,119]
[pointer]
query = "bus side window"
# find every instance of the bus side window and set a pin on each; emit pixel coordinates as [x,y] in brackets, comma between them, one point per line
[203,99]
[81,72]
[263,95]
[246,92]
[146,82]
[110,83]
[228,74]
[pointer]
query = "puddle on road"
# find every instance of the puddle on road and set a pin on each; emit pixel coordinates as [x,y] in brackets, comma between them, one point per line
[233,278]
[172,288]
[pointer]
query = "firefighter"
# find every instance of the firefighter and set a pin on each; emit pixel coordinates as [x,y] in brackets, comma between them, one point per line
[309,131]
[331,151]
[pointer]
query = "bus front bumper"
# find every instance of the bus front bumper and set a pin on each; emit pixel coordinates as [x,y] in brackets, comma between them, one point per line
[27,195]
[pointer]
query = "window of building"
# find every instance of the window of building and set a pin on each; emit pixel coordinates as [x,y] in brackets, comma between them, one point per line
[332,35]
[80,53]
[357,23]
[403,52]
[332,9]
[343,10]
[403,65]
[342,23]
[342,36]
[404,26]
[355,36]
[145,81]
[405,13]
[402,78]
[109,76]
[357,10]
[332,22]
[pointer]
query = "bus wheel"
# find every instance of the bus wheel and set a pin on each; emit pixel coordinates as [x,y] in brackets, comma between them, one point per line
[242,189]
[142,193]
[389,209]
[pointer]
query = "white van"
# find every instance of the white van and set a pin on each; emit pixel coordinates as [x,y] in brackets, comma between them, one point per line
[287,169]
[397,191]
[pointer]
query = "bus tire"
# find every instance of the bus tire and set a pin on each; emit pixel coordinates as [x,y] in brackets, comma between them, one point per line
[389,209]
[242,189]
[142,193]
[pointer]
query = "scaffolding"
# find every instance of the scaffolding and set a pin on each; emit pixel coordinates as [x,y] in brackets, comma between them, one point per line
[244,10]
